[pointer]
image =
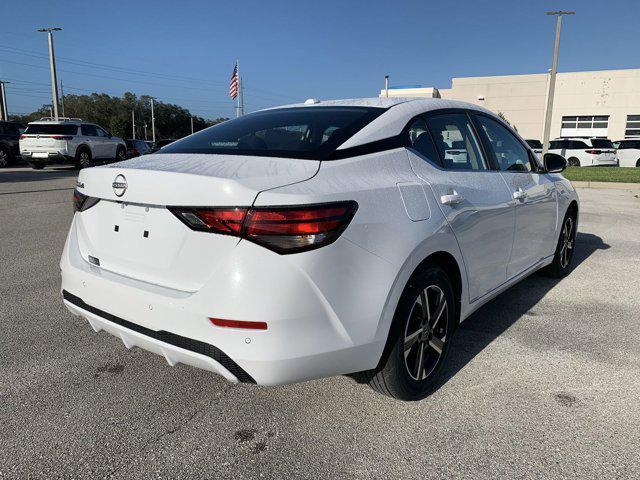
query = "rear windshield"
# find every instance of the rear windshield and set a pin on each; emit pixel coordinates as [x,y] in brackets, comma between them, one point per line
[602,143]
[534,143]
[47,129]
[303,132]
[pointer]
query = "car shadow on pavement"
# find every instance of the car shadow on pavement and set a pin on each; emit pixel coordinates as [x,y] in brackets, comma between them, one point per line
[495,317]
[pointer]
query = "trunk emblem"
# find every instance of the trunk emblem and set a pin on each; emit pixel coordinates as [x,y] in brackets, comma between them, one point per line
[119,185]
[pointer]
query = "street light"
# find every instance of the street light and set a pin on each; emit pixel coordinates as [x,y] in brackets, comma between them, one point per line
[52,62]
[552,80]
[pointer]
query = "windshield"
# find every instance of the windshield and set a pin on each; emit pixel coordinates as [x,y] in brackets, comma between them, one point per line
[303,132]
[534,143]
[51,129]
[601,143]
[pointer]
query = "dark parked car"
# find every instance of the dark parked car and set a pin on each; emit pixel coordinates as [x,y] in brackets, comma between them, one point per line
[9,142]
[135,148]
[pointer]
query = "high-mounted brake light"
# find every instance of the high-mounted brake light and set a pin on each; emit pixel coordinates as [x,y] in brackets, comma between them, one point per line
[281,229]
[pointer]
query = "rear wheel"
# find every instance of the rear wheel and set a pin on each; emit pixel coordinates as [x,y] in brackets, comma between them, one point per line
[573,162]
[83,158]
[419,339]
[564,250]
[4,157]
[121,154]
[638,163]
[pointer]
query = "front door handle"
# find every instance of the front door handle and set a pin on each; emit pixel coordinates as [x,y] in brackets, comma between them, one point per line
[451,199]
[519,194]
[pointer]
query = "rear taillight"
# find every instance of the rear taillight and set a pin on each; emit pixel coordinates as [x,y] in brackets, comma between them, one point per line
[133,152]
[281,229]
[22,137]
[62,137]
[82,202]
[594,152]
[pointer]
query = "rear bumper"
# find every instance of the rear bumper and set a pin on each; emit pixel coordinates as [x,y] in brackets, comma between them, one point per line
[315,327]
[51,157]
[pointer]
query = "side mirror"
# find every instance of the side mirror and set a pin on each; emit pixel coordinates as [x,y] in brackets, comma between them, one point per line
[554,163]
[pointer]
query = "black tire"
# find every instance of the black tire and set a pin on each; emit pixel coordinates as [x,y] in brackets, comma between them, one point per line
[83,158]
[5,157]
[638,163]
[121,154]
[402,373]
[561,264]
[37,166]
[573,162]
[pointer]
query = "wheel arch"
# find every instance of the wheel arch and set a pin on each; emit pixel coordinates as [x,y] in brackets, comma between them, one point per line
[83,146]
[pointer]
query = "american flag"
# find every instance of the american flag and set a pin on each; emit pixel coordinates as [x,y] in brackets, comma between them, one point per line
[233,85]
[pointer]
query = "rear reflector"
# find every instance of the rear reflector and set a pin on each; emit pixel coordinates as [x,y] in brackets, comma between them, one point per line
[281,229]
[221,322]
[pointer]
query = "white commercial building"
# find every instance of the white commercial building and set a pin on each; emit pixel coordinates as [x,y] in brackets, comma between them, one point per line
[602,103]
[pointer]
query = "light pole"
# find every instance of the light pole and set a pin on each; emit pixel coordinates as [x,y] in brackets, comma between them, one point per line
[52,62]
[153,124]
[552,80]
[4,111]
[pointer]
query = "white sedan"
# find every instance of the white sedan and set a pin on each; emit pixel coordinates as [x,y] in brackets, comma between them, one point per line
[325,238]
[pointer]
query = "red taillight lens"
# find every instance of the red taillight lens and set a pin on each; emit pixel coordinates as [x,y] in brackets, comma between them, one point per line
[221,322]
[281,229]
[22,137]
[61,137]
[227,221]
[594,152]
[82,202]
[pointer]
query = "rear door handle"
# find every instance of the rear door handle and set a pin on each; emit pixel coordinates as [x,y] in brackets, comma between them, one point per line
[519,194]
[451,199]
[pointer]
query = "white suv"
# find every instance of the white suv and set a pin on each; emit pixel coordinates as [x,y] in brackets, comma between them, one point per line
[585,152]
[628,152]
[69,140]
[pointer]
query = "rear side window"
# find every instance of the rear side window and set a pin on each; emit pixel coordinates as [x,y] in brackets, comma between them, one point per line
[89,131]
[602,143]
[455,142]
[47,129]
[557,144]
[578,145]
[421,141]
[303,132]
[511,155]
[534,143]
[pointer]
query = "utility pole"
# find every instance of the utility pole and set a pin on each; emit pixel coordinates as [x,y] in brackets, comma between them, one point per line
[52,62]
[552,80]
[145,130]
[386,86]
[133,124]
[4,110]
[153,124]
[62,98]
[191,125]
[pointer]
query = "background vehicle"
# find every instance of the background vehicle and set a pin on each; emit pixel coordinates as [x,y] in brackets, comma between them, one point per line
[9,142]
[69,140]
[585,152]
[135,148]
[628,152]
[308,241]
[536,146]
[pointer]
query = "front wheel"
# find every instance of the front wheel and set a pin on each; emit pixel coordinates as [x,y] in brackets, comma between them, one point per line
[561,264]
[419,339]
[4,157]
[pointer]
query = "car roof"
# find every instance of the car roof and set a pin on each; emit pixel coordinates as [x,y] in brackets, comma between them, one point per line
[399,111]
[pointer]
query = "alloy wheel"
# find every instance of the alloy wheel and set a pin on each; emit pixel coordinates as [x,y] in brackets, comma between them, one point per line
[425,333]
[566,251]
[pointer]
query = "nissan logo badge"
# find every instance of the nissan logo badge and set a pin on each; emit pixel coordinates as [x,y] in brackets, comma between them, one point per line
[119,185]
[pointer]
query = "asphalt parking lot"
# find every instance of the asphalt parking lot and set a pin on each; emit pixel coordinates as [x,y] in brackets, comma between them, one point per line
[544,381]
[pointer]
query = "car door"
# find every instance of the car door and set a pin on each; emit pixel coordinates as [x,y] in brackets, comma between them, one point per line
[473,197]
[532,192]
[108,146]
[90,137]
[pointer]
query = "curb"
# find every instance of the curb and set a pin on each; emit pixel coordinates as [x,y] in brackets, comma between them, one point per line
[611,185]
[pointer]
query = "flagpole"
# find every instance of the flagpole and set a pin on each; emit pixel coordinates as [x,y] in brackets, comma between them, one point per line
[241,96]
[239,88]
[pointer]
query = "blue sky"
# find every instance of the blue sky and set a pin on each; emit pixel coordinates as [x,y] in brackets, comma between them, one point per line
[183,52]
